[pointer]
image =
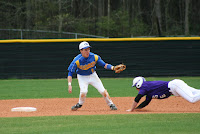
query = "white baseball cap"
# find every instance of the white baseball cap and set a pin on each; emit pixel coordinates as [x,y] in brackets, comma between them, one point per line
[84,45]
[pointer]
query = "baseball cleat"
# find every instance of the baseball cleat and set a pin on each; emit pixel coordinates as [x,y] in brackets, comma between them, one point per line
[75,107]
[113,107]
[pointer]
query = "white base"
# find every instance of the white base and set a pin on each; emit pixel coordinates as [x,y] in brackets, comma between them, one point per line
[24,109]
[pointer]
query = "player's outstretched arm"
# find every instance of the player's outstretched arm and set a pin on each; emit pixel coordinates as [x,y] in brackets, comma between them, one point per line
[144,103]
[118,68]
[109,66]
[69,78]
[132,107]
[135,102]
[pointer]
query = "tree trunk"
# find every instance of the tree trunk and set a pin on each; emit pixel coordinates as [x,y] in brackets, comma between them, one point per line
[108,17]
[131,10]
[108,9]
[158,16]
[100,9]
[60,19]
[166,16]
[28,14]
[100,14]
[187,2]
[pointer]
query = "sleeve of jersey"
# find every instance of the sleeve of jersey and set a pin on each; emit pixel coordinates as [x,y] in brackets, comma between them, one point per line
[100,62]
[138,97]
[144,103]
[72,68]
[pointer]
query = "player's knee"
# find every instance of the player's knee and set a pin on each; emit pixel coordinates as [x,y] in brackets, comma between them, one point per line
[192,100]
[105,93]
[83,94]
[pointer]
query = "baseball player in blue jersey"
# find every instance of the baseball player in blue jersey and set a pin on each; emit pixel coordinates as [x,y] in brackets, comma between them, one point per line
[162,90]
[84,65]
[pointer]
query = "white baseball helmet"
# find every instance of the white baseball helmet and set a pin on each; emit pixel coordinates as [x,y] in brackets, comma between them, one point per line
[84,45]
[138,81]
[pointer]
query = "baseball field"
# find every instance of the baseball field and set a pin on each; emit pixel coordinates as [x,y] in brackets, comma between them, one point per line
[53,116]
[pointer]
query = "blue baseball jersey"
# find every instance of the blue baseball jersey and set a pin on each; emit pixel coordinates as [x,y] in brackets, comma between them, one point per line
[155,89]
[85,66]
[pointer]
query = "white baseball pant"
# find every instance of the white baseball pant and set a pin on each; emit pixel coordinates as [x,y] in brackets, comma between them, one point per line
[93,79]
[180,88]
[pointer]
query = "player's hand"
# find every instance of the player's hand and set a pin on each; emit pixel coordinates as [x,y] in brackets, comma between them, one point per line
[129,110]
[70,89]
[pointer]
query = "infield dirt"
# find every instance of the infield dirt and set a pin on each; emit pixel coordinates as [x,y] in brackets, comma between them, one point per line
[94,106]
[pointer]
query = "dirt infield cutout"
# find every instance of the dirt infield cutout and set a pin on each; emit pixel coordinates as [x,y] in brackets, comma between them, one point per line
[94,106]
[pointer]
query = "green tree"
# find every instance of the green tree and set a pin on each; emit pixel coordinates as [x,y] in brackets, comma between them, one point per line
[139,28]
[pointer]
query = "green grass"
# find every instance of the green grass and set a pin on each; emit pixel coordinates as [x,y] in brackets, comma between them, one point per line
[110,124]
[104,124]
[57,88]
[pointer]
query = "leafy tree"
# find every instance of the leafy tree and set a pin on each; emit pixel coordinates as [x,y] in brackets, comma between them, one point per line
[110,18]
[139,28]
[106,25]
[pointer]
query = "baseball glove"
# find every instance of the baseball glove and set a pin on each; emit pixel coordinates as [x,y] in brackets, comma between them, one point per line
[119,68]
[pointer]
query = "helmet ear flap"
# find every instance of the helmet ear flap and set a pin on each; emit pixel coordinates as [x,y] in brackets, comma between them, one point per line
[139,83]
[137,86]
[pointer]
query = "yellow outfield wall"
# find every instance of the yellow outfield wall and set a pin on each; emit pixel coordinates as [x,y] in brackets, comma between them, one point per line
[97,39]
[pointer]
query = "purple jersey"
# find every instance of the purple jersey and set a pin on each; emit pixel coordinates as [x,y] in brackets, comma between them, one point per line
[155,89]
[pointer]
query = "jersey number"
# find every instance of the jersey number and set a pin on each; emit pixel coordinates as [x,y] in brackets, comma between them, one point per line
[161,97]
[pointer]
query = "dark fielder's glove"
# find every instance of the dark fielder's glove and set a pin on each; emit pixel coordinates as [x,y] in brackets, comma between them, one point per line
[119,68]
